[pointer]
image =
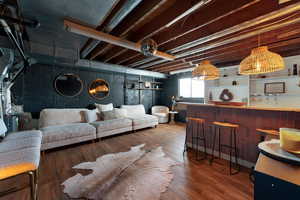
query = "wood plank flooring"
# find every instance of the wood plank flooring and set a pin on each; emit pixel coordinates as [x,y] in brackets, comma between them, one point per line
[193,180]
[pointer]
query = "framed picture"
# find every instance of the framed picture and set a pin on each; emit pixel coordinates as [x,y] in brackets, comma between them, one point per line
[275,88]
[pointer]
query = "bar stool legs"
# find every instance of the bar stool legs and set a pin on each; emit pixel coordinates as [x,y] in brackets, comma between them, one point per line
[195,127]
[197,136]
[233,151]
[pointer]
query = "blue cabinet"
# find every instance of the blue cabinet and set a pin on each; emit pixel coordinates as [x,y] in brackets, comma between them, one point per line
[267,187]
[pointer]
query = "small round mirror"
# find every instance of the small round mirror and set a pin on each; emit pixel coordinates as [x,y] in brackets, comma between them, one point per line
[99,89]
[69,85]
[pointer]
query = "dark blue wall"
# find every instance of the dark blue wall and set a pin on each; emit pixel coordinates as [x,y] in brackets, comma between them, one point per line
[35,89]
[171,88]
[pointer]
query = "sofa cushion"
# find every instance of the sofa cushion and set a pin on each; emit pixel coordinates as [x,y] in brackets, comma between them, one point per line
[23,134]
[114,114]
[53,117]
[19,161]
[134,111]
[144,120]
[104,107]
[68,131]
[112,124]
[16,144]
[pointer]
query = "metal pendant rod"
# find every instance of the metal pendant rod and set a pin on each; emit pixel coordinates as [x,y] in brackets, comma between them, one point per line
[98,35]
[12,38]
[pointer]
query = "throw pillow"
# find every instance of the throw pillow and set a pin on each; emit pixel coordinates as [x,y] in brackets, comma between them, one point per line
[104,107]
[120,113]
[108,115]
[91,115]
[3,129]
[114,114]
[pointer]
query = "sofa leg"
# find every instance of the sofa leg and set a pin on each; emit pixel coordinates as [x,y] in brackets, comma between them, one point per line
[33,184]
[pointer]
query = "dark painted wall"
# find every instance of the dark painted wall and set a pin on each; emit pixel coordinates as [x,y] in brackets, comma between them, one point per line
[171,88]
[35,89]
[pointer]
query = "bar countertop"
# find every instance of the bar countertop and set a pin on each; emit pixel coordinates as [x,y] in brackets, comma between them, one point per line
[284,109]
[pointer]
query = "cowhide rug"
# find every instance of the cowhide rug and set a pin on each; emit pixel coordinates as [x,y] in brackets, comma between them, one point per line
[132,175]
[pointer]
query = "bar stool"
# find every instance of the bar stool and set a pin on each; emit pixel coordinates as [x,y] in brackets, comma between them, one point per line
[195,126]
[263,134]
[232,146]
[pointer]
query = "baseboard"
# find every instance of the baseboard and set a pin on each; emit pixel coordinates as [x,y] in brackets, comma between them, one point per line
[242,162]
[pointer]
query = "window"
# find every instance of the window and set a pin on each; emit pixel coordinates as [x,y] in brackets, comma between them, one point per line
[191,88]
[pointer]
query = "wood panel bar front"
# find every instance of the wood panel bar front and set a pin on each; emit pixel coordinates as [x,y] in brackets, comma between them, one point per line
[248,119]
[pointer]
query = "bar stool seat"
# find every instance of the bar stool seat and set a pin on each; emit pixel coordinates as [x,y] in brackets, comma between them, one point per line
[266,132]
[195,126]
[225,124]
[232,146]
[199,120]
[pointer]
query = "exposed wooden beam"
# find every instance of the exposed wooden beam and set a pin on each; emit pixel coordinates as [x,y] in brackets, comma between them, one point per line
[266,39]
[98,35]
[197,21]
[181,43]
[156,25]
[201,48]
[90,44]
[239,53]
[141,13]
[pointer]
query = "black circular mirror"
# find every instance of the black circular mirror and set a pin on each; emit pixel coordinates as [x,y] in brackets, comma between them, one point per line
[99,89]
[69,85]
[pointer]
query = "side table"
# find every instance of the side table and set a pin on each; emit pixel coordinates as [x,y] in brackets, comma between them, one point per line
[172,115]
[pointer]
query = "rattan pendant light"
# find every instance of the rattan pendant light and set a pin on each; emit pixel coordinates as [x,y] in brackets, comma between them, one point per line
[261,61]
[206,71]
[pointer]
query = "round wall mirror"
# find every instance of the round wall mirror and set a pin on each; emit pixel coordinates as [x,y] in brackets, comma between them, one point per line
[69,85]
[99,89]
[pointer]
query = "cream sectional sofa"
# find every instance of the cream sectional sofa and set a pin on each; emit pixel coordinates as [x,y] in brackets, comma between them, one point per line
[62,127]
[139,117]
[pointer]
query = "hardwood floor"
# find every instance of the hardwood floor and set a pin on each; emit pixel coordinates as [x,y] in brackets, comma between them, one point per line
[193,180]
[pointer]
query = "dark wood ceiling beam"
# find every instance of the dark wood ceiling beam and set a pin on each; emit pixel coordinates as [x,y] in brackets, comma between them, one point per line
[266,39]
[195,22]
[185,65]
[240,53]
[219,44]
[88,46]
[159,23]
[257,10]
[141,13]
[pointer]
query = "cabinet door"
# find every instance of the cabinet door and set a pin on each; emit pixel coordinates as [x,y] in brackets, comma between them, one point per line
[268,187]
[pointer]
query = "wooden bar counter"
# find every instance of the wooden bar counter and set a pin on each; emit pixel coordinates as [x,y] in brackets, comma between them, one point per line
[249,119]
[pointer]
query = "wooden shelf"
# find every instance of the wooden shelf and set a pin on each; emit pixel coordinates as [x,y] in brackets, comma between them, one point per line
[144,88]
[274,78]
[152,82]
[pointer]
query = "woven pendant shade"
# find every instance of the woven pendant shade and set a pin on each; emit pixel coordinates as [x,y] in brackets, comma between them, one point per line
[261,61]
[206,71]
